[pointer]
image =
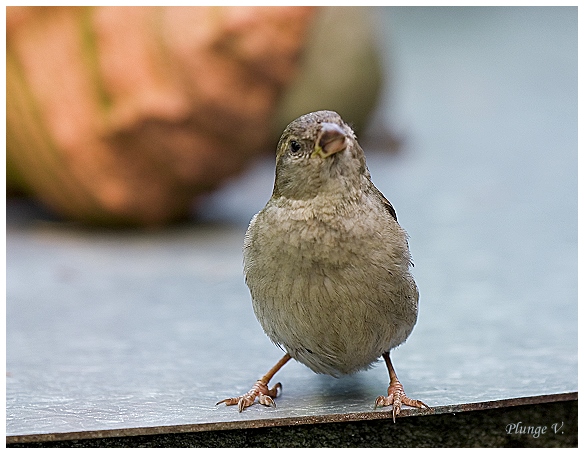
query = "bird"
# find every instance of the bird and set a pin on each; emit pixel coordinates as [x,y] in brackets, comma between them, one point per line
[327,264]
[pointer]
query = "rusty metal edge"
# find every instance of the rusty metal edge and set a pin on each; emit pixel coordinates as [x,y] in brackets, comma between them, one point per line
[289,421]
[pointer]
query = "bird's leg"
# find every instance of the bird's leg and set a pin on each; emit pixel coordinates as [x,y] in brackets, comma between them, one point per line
[395,393]
[259,389]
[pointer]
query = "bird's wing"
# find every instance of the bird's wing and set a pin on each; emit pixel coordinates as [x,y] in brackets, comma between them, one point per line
[386,202]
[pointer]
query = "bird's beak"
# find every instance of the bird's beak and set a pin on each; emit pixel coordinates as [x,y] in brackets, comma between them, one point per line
[330,140]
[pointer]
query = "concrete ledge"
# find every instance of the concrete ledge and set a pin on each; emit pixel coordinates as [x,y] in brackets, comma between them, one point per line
[509,423]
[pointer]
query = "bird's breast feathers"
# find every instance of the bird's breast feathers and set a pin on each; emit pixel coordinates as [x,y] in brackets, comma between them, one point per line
[334,279]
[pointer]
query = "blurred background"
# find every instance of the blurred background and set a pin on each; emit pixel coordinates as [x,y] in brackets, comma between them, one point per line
[145,117]
[123,115]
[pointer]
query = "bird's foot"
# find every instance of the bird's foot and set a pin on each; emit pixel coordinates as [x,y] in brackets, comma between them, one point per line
[260,390]
[396,397]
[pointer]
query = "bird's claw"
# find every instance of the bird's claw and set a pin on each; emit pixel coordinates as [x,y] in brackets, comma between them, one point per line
[396,397]
[260,390]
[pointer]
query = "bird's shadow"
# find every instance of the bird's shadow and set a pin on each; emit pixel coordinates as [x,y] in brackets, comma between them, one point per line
[354,388]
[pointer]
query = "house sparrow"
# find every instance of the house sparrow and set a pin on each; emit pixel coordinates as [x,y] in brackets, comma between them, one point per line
[327,263]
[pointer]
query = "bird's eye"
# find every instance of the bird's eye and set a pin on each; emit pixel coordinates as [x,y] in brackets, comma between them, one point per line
[294,146]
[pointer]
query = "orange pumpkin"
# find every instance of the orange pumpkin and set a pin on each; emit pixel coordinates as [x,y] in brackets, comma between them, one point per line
[121,115]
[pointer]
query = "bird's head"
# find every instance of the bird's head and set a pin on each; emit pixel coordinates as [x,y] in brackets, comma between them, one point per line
[318,152]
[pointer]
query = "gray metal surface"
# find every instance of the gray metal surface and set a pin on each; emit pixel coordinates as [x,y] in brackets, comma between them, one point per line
[116,330]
